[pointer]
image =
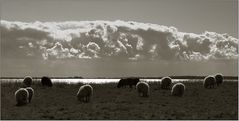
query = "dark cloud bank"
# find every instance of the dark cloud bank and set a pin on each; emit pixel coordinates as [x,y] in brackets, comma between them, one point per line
[115,40]
[152,45]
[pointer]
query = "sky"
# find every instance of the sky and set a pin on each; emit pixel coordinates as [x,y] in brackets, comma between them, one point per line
[112,38]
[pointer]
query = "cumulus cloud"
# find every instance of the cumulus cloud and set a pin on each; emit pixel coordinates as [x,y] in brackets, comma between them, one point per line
[112,39]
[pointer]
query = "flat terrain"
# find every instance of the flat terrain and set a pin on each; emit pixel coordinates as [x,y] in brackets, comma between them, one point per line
[109,102]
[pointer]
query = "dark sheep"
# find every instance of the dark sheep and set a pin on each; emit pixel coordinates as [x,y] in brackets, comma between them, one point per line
[85,92]
[166,83]
[27,81]
[219,79]
[178,89]
[128,81]
[21,96]
[143,89]
[209,82]
[46,81]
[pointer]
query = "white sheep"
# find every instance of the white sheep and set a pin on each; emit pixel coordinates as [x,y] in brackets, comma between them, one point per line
[31,93]
[143,89]
[219,79]
[178,89]
[27,81]
[21,96]
[85,92]
[209,82]
[166,83]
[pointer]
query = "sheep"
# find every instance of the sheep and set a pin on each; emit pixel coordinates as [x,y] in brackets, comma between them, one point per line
[27,81]
[178,89]
[143,89]
[166,83]
[209,82]
[31,93]
[21,96]
[85,92]
[46,81]
[219,79]
[127,81]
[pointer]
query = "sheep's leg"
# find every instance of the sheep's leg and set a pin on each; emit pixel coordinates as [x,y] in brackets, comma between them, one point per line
[145,94]
[87,98]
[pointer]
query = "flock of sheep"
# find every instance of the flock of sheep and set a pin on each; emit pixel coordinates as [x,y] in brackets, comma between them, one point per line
[25,93]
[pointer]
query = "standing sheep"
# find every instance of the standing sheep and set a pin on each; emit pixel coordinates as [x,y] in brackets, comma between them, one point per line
[27,81]
[143,89]
[85,92]
[31,93]
[178,89]
[166,83]
[219,79]
[46,81]
[209,82]
[21,96]
[128,81]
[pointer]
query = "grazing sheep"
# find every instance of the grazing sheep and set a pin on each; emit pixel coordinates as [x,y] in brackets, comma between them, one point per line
[31,93]
[166,83]
[143,89]
[178,89]
[27,81]
[128,81]
[219,79]
[84,93]
[46,81]
[21,96]
[209,82]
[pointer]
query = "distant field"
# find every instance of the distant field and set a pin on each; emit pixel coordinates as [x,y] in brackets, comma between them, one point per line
[107,80]
[109,102]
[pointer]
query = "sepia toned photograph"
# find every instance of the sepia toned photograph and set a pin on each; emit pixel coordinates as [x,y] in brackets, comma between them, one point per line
[119,59]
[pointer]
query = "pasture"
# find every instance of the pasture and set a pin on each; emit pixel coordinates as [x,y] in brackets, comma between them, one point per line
[109,102]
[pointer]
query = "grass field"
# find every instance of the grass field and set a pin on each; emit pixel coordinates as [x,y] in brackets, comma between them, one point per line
[109,102]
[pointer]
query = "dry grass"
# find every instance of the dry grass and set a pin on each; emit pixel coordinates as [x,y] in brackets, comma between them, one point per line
[109,102]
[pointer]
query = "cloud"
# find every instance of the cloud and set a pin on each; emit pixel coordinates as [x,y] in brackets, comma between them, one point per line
[56,52]
[112,39]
